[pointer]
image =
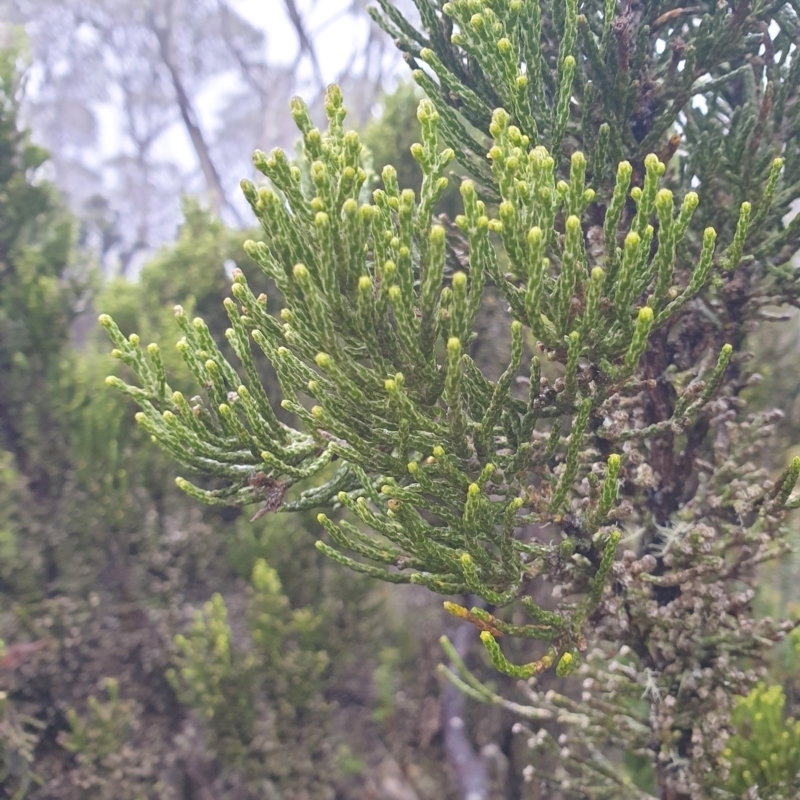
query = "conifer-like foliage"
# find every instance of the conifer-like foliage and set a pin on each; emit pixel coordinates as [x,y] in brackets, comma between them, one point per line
[585,130]
[765,751]
[36,286]
[225,685]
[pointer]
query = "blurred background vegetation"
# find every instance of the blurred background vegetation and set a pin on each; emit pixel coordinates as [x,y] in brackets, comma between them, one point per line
[154,648]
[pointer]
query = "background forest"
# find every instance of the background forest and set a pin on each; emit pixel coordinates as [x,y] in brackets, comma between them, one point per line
[122,600]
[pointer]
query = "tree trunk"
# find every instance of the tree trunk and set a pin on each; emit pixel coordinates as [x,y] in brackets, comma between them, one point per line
[469,766]
[192,125]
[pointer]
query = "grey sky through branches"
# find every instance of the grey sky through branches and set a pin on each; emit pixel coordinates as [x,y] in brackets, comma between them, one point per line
[144,101]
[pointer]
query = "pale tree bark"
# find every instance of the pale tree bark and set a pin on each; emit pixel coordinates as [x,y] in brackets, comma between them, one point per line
[162,30]
[306,47]
[468,765]
[158,56]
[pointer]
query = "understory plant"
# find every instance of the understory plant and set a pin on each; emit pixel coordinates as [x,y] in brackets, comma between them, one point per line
[608,499]
[103,560]
[255,698]
[765,751]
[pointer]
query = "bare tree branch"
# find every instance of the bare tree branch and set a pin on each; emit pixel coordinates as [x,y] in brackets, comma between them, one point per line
[468,766]
[241,59]
[191,123]
[306,47]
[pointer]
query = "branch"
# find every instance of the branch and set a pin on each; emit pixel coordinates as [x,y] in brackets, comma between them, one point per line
[190,121]
[469,767]
[306,47]
[241,58]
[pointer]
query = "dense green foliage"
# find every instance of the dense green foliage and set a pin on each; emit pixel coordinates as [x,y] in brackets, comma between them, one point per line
[629,297]
[105,565]
[526,391]
[272,693]
[37,292]
[765,752]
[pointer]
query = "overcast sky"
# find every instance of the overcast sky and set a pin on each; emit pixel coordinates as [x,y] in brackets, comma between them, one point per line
[336,35]
[332,31]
